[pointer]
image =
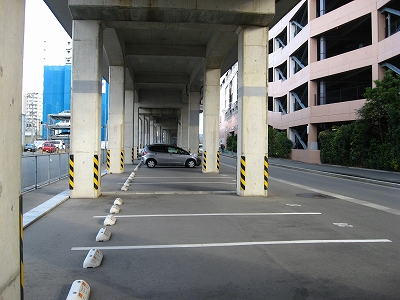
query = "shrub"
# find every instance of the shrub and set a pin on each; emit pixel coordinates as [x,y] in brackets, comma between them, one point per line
[278,143]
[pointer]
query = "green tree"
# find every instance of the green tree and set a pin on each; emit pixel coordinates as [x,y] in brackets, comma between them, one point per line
[278,143]
[231,143]
[382,107]
[372,141]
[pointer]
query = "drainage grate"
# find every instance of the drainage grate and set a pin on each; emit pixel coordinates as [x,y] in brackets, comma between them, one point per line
[315,196]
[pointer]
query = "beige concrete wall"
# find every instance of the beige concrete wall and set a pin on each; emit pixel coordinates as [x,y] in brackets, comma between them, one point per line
[343,111]
[11,47]
[309,156]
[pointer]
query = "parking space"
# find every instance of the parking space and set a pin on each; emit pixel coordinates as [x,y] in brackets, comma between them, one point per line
[170,242]
[180,180]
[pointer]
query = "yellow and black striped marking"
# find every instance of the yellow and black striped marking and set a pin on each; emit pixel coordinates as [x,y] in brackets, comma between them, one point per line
[204,160]
[133,154]
[21,247]
[265,173]
[108,159]
[218,161]
[242,173]
[71,172]
[121,161]
[96,172]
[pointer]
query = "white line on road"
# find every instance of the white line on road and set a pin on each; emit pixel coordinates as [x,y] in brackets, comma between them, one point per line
[309,242]
[341,197]
[180,177]
[169,193]
[212,215]
[182,182]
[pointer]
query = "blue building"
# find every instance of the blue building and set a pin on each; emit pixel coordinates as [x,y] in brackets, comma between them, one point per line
[57,100]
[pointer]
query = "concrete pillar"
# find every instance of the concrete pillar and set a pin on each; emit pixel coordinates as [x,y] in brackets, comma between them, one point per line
[136,138]
[151,129]
[184,127]
[11,49]
[129,150]
[252,116]
[312,143]
[312,93]
[211,120]
[378,34]
[141,134]
[193,122]
[116,119]
[86,107]
[146,130]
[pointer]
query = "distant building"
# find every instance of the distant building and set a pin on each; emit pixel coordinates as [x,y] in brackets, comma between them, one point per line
[57,103]
[32,106]
[322,56]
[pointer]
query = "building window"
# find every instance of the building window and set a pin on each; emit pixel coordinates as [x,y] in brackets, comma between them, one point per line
[392,17]
[326,6]
[345,38]
[299,21]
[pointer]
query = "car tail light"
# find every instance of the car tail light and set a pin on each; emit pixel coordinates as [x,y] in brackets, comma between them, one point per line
[144,152]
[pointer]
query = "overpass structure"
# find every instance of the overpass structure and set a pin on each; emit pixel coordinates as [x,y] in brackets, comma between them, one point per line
[162,59]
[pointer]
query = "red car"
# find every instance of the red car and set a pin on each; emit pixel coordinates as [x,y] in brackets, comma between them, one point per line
[49,147]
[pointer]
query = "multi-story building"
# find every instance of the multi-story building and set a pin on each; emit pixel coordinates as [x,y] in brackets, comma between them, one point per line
[32,110]
[57,103]
[322,56]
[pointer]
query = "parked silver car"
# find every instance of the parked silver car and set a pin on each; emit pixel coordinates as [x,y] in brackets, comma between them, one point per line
[162,154]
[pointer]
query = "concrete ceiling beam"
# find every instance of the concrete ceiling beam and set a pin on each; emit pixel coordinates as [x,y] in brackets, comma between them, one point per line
[162,50]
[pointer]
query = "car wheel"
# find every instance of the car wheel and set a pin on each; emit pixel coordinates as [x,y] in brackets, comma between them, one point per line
[190,163]
[151,163]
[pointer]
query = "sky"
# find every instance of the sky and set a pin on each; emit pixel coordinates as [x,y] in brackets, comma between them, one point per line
[45,43]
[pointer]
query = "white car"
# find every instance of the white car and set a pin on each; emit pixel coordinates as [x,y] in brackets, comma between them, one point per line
[58,143]
[38,144]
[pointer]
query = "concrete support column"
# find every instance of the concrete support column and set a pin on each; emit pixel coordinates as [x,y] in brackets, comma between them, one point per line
[151,130]
[141,131]
[184,140]
[312,93]
[116,119]
[11,49]
[378,34]
[86,107]
[211,120]
[146,130]
[136,138]
[252,162]
[312,137]
[128,128]
[193,122]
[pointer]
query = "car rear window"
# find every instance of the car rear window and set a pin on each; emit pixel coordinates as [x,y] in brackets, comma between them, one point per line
[157,148]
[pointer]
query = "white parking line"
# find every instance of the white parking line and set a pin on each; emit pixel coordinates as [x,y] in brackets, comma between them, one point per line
[341,197]
[213,215]
[182,182]
[169,193]
[307,242]
[180,177]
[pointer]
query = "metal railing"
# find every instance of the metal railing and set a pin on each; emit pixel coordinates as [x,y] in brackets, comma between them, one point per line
[40,170]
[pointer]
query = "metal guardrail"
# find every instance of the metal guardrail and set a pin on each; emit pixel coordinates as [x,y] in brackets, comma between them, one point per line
[40,170]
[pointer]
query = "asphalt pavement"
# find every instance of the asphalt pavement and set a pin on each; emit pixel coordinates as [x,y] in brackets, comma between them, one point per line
[182,234]
[58,191]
